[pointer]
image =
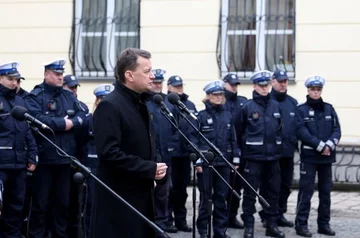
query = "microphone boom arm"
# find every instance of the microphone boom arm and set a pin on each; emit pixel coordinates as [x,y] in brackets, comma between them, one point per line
[87,172]
[200,154]
[218,153]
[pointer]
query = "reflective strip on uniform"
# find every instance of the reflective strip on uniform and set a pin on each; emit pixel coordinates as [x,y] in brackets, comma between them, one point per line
[92,156]
[254,142]
[278,142]
[199,161]
[170,149]
[330,144]
[306,147]
[320,146]
[5,148]
[236,160]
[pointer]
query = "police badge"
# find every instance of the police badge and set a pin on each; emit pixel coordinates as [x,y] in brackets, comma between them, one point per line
[255,115]
[311,112]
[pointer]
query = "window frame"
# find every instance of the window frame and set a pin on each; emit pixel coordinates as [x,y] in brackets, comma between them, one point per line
[110,34]
[260,33]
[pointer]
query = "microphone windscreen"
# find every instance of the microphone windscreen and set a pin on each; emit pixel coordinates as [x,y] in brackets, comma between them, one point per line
[193,157]
[158,98]
[209,156]
[173,98]
[18,113]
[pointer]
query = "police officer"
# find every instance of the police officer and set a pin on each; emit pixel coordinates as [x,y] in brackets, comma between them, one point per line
[71,83]
[319,131]
[163,132]
[90,158]
[289,143]
[258,130]
[216,125]
[18,153]
[59,109]
[233,103]
[180,159]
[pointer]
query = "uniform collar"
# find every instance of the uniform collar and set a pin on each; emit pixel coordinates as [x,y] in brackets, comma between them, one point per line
[279,96]
[54,90]
[7,92]
[230,95]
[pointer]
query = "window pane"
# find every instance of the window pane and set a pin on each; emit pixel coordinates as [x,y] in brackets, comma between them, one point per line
[241,55]
[124,42]
[280,52]
[280,14]
[126,15]
[94,54]
[242,15]
[93,17]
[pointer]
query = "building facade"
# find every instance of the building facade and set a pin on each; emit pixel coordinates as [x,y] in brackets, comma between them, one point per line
[199,40]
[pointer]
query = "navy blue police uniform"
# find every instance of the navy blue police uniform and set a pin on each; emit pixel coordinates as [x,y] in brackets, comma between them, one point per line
[163,130]
[180,162]
[216,125]
[258,130]
[17,150]
[233,104]
[51,104]
[289,145]
[317,128]
[71,81]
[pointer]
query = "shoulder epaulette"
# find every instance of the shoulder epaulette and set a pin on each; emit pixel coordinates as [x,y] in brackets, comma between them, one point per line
[36,91]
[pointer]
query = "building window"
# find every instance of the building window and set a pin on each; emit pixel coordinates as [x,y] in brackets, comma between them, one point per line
[257,35]
[101,30]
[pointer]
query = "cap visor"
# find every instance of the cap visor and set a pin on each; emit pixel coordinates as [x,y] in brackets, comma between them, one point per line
[176,84]
[234,83]
[217,92]
[60,71]
[13,75]
[263,83]
[158,80]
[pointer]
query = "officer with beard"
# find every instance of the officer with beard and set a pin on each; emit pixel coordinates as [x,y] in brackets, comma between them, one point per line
[232,104]
[180,158]
[163,131]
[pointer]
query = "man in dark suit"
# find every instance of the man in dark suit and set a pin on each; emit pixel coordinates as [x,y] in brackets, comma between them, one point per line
[125,144]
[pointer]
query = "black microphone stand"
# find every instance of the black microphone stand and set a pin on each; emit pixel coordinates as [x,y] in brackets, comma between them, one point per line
[218,153]
[206,159]
[86,172]
[79,179]
[193,159]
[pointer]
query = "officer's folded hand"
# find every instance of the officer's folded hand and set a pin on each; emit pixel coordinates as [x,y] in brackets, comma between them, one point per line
[199,169]
[326,151]
[68,123]
[31,167]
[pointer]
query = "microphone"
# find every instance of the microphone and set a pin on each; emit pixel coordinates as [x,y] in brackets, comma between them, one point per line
[175,100]
[158,99]
[21,114]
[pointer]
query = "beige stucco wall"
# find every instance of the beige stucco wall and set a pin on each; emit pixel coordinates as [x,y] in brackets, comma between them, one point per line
[34,32]
[181,34]
[327,43]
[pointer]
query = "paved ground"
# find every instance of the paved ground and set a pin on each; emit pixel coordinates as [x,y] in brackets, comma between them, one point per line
[345,216]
